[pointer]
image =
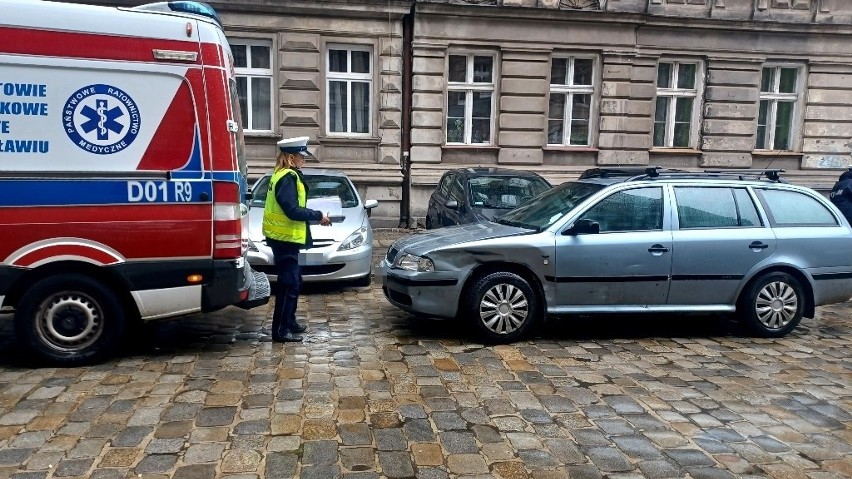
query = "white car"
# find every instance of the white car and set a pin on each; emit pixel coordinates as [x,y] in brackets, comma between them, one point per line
[342,251]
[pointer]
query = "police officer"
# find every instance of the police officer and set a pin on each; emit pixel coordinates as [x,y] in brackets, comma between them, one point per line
[841,194]
[285,226]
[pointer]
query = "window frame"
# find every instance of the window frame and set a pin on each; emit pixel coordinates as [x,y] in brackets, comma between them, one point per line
[571,90]
[663,208]
[736,202]
[249,73]
[349,77]
[469,87]
[697,94]
[773,222]
[776,96]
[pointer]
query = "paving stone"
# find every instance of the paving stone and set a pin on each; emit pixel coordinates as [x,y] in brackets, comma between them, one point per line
[565,451]
[280,465]
[12,457]
[202,453]
[396,464]
[659,468]
[412,411]
[320,472]
[466,464]
[609,459]
[360,475]
[164,446]
[637,447]
[215,416]
[72,467]
[29,475]
[320,452]
[240,460]
[196,471]
[358,458]
[157,463]
[448,421]
[122,457]
[689,457]
[431,473]
[390,439]
[486,434]
[456,442]
[419,430]
[355,434]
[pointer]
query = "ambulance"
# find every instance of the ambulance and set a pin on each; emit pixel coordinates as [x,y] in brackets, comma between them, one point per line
[122,173]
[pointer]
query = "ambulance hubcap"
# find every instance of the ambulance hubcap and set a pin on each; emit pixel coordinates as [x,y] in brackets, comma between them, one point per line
[70,321]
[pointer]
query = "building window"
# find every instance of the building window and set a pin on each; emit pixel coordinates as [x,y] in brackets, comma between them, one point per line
[676,112]
[779,92]
[253,68]
[349,89]
[570,111]
[470,98]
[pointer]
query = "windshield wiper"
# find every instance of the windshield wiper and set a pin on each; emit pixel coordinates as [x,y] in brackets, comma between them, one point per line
[516,224]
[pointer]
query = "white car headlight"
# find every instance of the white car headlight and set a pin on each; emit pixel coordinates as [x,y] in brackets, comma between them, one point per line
[414,263]
[356,239]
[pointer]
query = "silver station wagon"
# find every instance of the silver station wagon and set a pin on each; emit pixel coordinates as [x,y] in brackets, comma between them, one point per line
[634,240]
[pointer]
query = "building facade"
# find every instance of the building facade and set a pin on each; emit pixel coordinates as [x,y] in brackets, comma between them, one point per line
[557,86]
[395,92]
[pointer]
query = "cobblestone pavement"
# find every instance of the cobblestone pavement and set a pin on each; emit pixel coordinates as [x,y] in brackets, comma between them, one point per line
[374,392]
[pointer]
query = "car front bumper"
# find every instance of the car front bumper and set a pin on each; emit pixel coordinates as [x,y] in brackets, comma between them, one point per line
[319,264]
[430,294]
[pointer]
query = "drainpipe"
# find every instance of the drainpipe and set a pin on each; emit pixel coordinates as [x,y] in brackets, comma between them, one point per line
[405,160]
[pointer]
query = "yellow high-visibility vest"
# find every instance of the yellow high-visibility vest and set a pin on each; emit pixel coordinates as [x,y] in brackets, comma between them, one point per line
[276,224]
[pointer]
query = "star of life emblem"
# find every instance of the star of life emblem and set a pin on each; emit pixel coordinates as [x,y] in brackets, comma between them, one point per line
[101,119]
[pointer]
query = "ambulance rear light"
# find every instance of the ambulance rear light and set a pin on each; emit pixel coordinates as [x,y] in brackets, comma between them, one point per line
[195,8]
[226,211]
[227,221]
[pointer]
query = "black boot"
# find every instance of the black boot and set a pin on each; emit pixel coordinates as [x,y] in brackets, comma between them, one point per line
[298,328]
[288,337]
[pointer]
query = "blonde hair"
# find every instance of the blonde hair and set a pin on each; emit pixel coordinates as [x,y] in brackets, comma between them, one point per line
[285,161]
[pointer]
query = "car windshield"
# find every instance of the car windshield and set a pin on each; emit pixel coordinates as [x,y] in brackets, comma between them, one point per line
[319,186]
[503,192]
[550,206]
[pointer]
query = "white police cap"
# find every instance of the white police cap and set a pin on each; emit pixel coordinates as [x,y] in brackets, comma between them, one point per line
[298,145]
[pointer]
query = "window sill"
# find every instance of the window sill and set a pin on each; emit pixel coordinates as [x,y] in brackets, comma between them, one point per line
[674,151]
[581,149]
[348,140]
[261,134]
[473,147]
[771,153]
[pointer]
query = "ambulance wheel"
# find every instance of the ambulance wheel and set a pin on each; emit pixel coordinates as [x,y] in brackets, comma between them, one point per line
[70,320]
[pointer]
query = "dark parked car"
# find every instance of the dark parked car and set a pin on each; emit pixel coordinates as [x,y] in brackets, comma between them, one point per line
[468,195]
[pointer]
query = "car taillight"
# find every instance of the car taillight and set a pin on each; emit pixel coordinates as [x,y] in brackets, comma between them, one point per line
[227,221]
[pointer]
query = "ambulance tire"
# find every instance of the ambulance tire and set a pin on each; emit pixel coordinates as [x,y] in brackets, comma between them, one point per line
[70,320]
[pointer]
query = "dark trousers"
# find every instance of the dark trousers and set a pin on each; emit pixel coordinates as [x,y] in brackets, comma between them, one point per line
[287,287]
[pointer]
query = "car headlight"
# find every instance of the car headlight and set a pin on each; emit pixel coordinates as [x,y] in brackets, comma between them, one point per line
[414,263]
[356,239]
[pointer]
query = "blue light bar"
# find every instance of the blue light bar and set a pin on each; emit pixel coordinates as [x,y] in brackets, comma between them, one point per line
[197,8]
[183,6]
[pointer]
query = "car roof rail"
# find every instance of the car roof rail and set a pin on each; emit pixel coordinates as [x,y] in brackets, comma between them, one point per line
[618,171]
[772,174]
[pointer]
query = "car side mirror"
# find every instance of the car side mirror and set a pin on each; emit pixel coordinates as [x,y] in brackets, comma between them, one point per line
[248,196]
[369,205]
[583,227]
[452,204]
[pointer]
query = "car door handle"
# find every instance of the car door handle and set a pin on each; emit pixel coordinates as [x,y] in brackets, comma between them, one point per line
[758,245]
[658,248]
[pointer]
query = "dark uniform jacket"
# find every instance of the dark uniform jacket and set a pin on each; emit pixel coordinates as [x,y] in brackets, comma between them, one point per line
[841,195]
